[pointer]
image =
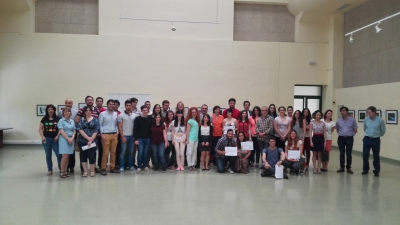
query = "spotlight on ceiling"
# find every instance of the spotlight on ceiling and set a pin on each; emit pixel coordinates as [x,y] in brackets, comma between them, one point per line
[378,30]
[173,27]
[351,39]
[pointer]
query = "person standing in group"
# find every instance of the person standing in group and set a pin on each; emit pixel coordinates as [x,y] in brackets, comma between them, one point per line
[66,127]
[272,113]
[330,127]
[170,153]
[229,121]
[192,133]
[88,128]
[99,104]
[281,127]
[246,106]
[225,141]
[141,135]
[165,108]
[346,127]
[204,111]
[148,105]
[264,126]
[244,125]
[158,142]
[290,111]
[205,141]
[218,121]
[109,137]
[48,131]
[235,112]
[180,106]
[100,108]
[125,129]
[135,109]
[317,143]
[179,139]
[374,129]
[306,137]
[156,110]
[256,148]
[118,149]
[297,124]
[243,155]
[150,155]
[294,143]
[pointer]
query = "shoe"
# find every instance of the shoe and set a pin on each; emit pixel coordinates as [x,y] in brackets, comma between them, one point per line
[163,170]
[126,167]
[324,170]
[230,171]
[207,168]
[341,170]
[364,172]
[103,172]
[376,174]
[84,174]
[49,173]
[146,169]
[117,167]
[92,174]
[256,165]
[285,176]
[182,169]
[132,168]
[115,170]
[121,170]
[97,170]
[350,171]
[72,170]
[63,175]
[301,172]
[178,169]
[138,170]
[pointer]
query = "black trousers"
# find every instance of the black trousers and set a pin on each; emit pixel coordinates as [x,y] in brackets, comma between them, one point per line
[100,148]
[346,148]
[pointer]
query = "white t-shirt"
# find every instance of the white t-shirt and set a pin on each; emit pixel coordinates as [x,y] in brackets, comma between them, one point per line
[298,143]
[179,132]
[329,127]
[205,131]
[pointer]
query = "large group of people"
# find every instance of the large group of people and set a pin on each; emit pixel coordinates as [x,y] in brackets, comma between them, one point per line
[172,140]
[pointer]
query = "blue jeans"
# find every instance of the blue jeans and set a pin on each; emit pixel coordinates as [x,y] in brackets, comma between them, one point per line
[221,162]
[51,144]
[142,154]
[124,147]
[375,145]
[345,145]
[159,156]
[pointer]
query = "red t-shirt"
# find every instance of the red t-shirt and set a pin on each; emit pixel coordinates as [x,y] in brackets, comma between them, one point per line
[235,113]
[157,134]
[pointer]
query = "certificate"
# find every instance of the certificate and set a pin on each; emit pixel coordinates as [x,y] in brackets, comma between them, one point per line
[248,145]
[230,151]
[294,154]
[86,147]
[279,171]
[226,128]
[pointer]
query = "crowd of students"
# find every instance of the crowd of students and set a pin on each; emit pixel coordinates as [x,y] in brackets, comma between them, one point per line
[171,139]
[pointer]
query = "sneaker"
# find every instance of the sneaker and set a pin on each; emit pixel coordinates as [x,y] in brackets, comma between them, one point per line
[121,170]
[138,170]
[147,169]
[114,170]
[285,176]
[230,171]
[132,168]
[97,170]
[301,172]
[103,172]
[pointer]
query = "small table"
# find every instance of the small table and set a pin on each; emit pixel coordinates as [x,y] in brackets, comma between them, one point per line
[1,136]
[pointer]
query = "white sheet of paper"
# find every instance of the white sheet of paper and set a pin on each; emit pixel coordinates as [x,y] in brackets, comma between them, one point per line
[248,145]
[226,128]
[230,151]
[279,171]
[86,147]
[293,154]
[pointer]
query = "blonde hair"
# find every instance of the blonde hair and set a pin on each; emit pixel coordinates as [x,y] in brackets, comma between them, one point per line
[66,109]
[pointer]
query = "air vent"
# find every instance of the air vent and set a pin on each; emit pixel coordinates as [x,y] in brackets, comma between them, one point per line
[343,7]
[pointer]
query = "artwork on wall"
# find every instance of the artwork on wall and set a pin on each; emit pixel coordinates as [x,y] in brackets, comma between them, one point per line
[41,110]
[379,113]
[352,113]
[60,108]
[362,114]
[185,111]
[391,116]
[81,105]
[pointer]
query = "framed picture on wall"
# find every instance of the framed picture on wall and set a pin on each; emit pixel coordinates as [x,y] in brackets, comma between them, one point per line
[352,113]
[81,105]
[60,108]
[185,111]
[391,116]
[379,113]
[222,110]
[362,114]
[41,110]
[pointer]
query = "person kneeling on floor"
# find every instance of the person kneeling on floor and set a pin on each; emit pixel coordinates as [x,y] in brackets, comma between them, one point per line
[272,156]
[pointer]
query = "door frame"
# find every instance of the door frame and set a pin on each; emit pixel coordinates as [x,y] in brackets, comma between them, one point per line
[306,97]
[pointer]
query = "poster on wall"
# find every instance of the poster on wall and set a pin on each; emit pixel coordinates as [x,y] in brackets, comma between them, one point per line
[41,110]
[391,116]
[362,114]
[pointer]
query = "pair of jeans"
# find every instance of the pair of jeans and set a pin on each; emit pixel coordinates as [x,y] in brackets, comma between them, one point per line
[142,154]
[109,146]
[375,145]
[126,147]
[214,142]
[100,148]
[48,146]
[345,145]
[159,156]
[87,154]
[294,165]
[170,160]
[118,152]
[221,162]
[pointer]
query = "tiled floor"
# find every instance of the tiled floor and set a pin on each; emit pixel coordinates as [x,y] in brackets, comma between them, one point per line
[28,196]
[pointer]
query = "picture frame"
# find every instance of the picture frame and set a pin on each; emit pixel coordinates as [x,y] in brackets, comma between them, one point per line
[185,111]
[362,114]
[60,108]
[379,113]
[352,113]
[81,105]
[391,117]
[41,110]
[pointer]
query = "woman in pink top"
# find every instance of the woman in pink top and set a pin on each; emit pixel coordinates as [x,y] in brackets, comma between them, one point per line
[256,148]
[281,127]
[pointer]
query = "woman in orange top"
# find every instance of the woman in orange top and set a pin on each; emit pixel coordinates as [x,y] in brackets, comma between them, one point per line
[217,121]
[256,148]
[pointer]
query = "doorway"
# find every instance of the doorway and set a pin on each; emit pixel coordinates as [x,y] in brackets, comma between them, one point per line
[307,97]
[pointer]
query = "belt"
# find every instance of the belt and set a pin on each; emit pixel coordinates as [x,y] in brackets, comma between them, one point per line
[110,133]
[371,137]
[346,136]
[318,134]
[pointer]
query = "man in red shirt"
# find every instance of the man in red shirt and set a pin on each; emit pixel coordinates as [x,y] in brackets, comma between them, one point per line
[99,104]
[235,112]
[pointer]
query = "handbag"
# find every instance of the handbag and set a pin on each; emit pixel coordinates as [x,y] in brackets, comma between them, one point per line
[324,156]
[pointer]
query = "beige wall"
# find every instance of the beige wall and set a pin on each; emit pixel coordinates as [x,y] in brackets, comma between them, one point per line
[383,97]
[47,68]
[18,18]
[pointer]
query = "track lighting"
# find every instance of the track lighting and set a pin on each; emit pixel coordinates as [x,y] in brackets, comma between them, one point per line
[378,30]
[173,27]
[351,39]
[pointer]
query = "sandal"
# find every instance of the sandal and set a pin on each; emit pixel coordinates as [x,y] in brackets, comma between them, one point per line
[84,174]
[207,168]
[92,174]
[62,175]
[314,171]
[67,174]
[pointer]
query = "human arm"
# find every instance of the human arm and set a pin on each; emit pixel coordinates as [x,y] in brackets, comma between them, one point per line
[382,128]
[219,146]
[264,160]
[324,135]
[121,133]
[188,126]
[311,127]
[281,159]
[41,125]
[304,131]
[165,137]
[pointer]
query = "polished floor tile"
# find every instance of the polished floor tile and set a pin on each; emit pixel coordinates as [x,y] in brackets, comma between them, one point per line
[28,196]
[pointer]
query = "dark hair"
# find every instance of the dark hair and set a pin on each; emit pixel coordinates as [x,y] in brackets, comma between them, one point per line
[110,100]
[372,108]
[232,99]
[209,120]
[274,114]
[259,112]
[146,102]
[326,112]
[246,102]
[300,119]
[272,139]
[290,107]
[129,101]
[238,142]
[88,97]
[47,111]
[86,108]
[176,119]
[154,119]
[216,107]
[133,99]
[154,108]
[229,130]
[345,108]
[98,99]
[116,101]
[315,114]
[229,111]
[165,101]
[142,107]
[308,118]
[241,118]
[280,107]
[167,122]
